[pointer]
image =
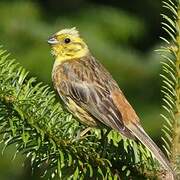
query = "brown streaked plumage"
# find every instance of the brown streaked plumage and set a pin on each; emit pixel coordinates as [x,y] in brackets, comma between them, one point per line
[91,94]
[87,84]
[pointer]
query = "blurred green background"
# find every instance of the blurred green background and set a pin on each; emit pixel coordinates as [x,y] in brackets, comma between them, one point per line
[122,34]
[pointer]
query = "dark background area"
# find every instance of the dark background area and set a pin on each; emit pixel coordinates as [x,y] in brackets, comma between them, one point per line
[121,34]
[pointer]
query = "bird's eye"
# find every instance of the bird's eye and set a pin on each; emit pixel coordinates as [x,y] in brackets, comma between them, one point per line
[67,40]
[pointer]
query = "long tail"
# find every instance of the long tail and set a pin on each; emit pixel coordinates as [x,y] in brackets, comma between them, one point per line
[140,134]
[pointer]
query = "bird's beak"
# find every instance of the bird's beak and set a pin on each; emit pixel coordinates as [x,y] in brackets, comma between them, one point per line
[52,41]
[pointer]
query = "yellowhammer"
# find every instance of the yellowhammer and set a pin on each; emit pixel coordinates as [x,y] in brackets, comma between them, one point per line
[90,92]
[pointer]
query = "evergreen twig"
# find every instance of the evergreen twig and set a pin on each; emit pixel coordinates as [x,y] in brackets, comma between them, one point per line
[171,82]
[48,135]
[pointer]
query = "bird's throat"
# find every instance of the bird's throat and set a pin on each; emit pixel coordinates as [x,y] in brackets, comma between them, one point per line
[70,56]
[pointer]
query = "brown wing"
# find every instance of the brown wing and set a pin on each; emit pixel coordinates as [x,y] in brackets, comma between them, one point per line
[97,103]
[90,86]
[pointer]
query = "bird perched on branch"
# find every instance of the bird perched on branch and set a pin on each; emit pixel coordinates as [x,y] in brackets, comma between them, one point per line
[90,92]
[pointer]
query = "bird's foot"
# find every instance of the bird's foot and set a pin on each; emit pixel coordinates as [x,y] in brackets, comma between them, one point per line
[82,134]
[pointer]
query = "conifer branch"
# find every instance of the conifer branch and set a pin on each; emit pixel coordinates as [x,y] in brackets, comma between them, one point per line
[48,135]
[175,149]
[171,82]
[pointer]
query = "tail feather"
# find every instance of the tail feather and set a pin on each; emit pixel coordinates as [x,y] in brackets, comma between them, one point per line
[140,134]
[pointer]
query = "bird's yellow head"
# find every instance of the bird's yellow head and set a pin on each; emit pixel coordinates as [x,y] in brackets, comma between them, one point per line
[67,44]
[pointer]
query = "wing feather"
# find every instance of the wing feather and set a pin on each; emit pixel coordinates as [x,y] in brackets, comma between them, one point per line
[90,86]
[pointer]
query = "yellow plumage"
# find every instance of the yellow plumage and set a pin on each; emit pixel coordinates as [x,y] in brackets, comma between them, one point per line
[67,51]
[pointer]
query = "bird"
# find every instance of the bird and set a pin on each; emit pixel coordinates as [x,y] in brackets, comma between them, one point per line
[91,94]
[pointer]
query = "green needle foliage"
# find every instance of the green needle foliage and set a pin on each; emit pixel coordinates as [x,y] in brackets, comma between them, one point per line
[171,82]
[31,119]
